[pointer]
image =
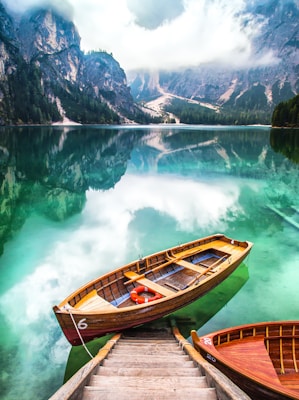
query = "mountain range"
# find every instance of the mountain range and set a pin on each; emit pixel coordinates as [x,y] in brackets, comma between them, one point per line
[45,77]
[254,91]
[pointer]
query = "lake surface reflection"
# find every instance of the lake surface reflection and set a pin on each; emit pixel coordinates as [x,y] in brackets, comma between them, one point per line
[76,202]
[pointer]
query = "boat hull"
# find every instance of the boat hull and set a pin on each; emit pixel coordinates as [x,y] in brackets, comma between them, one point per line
[82,326]
[99,324]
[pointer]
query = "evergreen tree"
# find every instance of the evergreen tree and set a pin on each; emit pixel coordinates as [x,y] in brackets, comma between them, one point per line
[196,114]
[286,113]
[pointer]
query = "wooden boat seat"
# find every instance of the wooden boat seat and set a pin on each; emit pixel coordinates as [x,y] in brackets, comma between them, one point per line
[148,283]
[92,301]
[217,244]
[191,266]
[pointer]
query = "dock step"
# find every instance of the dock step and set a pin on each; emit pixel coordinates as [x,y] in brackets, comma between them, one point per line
[147,382]
[157,371]
[92,393]
[148,365]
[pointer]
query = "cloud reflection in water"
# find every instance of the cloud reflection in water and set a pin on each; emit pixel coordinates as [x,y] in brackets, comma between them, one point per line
[89,249]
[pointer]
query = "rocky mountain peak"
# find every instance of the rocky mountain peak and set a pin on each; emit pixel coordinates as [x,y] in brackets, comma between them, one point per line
[280,31]
[7,29]
[106,77]
[45,31]
[8,46]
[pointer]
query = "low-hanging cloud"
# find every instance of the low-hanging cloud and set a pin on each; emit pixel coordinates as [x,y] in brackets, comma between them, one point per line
[153,13]
[178,33]
[20,6]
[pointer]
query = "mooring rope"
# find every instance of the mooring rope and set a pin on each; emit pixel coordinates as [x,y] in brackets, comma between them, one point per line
[79,334]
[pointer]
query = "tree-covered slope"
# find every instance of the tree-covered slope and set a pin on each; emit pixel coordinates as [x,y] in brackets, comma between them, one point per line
[286,113]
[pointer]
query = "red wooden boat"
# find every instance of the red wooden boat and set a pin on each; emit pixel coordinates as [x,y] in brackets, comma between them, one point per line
[262,359]
[149,288]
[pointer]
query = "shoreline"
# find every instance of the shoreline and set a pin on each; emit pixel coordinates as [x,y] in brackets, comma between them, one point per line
[70,123]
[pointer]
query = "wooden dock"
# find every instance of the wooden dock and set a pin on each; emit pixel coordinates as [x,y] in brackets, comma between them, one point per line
[155,364]
[285,217]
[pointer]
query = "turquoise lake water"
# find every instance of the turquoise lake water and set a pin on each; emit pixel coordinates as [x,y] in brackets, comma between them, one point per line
[76,202]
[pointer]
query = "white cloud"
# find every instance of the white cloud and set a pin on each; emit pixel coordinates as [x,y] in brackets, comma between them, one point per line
[152,13]
[206,31]
[90,249]
[20,6]
[192,33]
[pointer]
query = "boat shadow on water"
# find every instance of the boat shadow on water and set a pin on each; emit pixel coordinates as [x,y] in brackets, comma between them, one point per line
[192,316]
[197,314]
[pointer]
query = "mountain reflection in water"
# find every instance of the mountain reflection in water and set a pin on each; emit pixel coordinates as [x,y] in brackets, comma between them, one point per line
[79,201]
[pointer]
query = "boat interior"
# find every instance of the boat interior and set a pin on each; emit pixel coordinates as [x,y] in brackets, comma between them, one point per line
[275,346]
[164,273]
[284,353]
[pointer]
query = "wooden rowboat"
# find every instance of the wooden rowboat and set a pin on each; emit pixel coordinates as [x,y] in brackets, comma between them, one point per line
[169,280]
[262,359]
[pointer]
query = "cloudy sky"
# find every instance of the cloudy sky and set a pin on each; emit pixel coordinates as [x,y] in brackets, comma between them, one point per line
[162,33]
